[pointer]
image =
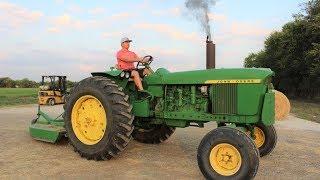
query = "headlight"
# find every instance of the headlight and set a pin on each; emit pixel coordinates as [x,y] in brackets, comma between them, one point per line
[122,74]
[127,75]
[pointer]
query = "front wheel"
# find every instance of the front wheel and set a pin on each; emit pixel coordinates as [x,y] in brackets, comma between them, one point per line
[228,153]
[52,102]
[265,138]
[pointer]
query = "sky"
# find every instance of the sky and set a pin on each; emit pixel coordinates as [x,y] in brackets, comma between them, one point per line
[77,37]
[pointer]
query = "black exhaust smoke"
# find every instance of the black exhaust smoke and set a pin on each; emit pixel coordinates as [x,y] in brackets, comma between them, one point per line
[211,54]
[200,9]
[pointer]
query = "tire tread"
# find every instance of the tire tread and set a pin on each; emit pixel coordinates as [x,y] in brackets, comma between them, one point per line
[121,128]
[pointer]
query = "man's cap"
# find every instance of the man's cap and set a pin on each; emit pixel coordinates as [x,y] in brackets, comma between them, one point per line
[125,39]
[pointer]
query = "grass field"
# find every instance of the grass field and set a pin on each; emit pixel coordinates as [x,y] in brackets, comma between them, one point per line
[309,110]
[18,96]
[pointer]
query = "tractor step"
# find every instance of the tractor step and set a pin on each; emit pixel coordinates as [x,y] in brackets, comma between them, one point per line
[46,132]
[199,125]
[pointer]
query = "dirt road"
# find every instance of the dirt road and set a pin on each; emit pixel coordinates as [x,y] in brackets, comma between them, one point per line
[297,155]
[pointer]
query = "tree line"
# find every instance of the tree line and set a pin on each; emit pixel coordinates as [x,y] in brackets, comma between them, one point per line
[294,54]
[7,82]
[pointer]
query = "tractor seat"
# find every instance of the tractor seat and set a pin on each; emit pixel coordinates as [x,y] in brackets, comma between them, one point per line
[129,79]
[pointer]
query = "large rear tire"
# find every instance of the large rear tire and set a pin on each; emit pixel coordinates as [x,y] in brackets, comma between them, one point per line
[228,153]
[98,118]
[154,134]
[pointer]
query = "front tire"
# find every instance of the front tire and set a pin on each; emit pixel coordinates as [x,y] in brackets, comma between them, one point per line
[265,138]
[227,153]
[98,118]
[51,102]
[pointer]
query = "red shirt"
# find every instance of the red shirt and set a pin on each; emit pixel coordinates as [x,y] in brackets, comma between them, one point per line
[124,53]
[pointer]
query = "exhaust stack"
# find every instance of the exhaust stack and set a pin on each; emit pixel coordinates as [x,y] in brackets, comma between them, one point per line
[211,54]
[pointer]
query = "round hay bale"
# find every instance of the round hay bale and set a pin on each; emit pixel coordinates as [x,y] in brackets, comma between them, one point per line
[282,106]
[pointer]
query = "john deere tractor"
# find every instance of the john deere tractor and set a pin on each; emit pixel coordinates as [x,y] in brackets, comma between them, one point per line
[104,112]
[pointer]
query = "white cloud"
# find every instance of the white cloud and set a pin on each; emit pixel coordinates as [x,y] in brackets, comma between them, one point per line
[143,5]
[67,22]
[73,9]
[168,30]
[3,56]
[159,51]
[236,39]
[87,68]
[13,16]
[214,17]
[59,1]
[75,63]
[53,30]
[63,20]
[186,50]
[167,12]
[96,11]
[241,33]
[247,29]
[111,34]
[121,15]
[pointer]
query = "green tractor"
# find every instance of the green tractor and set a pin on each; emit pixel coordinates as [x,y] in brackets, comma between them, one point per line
[104,112]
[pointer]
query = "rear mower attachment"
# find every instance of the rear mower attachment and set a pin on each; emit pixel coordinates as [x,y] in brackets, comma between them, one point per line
[45,128]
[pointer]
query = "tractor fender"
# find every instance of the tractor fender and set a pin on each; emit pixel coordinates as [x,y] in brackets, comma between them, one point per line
[268,110]
[114,75]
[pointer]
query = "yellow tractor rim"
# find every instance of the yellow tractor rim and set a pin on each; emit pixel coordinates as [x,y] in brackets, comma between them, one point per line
[225,159]
[259,137]
[89,120]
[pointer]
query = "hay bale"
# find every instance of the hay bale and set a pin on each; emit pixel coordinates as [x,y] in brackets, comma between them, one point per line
[282,106]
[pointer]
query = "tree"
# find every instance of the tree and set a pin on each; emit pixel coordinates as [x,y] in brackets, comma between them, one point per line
[6,82]
[70,84]
[26,83]
[251,60]
[312,8]
[293,54]
[314,53]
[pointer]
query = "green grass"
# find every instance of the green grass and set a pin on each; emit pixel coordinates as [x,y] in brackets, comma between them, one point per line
[309,110]
[18,96]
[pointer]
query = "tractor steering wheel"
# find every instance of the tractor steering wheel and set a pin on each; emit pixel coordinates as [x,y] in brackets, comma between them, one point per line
[145,64]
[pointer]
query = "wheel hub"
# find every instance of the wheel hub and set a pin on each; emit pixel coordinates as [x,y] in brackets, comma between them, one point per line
[89,120]
[259,137]
[225,159]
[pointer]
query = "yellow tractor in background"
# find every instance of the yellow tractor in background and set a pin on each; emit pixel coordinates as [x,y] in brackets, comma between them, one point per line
[52,90]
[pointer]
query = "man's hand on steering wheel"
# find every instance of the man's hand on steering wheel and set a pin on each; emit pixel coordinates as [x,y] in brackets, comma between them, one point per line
[145,61]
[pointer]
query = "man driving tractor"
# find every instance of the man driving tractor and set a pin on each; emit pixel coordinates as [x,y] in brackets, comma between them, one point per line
[126,59]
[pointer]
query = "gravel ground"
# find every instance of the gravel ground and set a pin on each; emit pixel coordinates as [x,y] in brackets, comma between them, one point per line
[296,156]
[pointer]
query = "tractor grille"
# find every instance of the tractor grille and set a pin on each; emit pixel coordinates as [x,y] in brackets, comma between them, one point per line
[224,98]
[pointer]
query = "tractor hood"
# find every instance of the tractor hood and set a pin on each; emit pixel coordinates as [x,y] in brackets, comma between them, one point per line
[210,76]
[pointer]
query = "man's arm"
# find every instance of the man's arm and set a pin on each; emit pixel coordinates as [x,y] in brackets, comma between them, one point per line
[128,58]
